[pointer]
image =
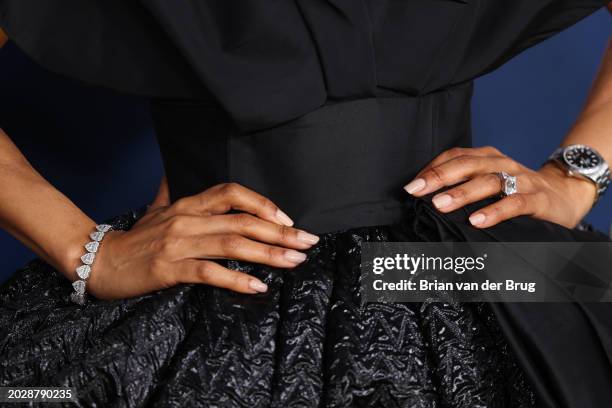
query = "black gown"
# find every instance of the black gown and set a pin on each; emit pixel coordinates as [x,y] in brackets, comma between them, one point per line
[327,107]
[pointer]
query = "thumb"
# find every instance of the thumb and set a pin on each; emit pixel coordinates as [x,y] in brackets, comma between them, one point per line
[162,199]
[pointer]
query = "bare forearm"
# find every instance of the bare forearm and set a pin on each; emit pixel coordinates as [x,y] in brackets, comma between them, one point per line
[594,125]
[592,128]
[39,215]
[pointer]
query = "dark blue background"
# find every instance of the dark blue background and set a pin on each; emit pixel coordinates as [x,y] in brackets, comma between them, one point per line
[99,149]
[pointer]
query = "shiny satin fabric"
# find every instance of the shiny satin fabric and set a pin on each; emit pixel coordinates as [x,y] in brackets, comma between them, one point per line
[268,62]
[338,167]
[564,348]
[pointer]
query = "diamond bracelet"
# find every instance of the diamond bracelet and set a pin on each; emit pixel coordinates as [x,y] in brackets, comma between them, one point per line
[83,271]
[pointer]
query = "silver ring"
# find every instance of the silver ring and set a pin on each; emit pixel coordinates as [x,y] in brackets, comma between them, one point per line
[509,184]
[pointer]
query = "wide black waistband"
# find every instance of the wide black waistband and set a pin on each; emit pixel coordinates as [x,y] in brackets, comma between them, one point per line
[340,166]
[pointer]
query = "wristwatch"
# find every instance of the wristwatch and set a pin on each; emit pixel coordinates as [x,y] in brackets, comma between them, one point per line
[583,162]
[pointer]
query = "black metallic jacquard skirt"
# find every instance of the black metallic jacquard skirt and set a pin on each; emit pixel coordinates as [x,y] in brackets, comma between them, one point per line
[308,342]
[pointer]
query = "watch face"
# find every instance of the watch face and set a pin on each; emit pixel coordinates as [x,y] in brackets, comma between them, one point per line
[582,157]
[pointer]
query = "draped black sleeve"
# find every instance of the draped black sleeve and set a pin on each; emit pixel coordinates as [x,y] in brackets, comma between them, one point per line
[112,43]
[504,28]
[269,62]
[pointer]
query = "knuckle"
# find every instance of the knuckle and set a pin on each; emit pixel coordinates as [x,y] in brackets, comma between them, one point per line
[265,204]
[244,221]
[231,242]
[437,174]
[512,165]
[203,203]
[180,205]
[518,201]
[205,272]
[285,233]
[229,190]
[455,151]
[460,194]
[465,161]
[493,180]
[492,150]
[166,246]
[175,225]
[273,253]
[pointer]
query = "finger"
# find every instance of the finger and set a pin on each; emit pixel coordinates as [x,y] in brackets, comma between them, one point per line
[460,151]
[237,247]
[213,274]
[250,226]
[457,170]
[232,196]
[506,208]
[475,190]
[260,230]
[162,199]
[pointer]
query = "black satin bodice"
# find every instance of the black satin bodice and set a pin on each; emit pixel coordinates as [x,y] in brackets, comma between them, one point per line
[340,166]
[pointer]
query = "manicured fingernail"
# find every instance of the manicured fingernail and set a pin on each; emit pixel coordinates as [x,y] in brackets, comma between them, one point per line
[415,186]
[258,286]
[477,219]
[284,218]
[307,238]
[295,256]
[442,200]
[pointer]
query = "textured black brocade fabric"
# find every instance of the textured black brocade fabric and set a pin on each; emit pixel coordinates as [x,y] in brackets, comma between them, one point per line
[308,342]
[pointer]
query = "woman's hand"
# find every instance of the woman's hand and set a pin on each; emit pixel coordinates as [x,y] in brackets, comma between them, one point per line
[547,194]
[177,244]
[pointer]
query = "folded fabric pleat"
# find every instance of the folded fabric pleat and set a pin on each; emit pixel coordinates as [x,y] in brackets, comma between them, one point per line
[269,62]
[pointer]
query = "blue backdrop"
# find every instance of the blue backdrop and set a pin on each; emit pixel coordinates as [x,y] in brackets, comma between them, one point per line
[99,148]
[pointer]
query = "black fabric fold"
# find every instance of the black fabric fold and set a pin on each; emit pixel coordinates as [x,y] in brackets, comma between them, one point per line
[565,348]
[270,62]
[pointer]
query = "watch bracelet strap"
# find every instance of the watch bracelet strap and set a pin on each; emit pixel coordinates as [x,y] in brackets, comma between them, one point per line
[601,182]
[556,154]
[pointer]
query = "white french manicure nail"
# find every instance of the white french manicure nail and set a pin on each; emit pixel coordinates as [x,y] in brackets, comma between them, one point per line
[307,238]
[284,218]
[295,256]
[258,286]
[477,219]
[442,200]
[415,186]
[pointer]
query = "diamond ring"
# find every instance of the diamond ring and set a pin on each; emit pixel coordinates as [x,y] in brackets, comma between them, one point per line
[509,184]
